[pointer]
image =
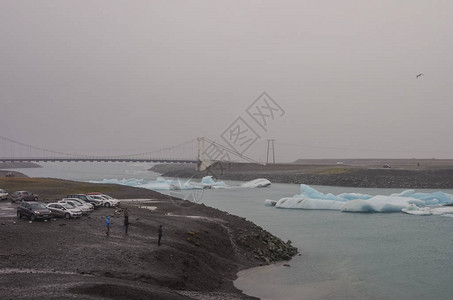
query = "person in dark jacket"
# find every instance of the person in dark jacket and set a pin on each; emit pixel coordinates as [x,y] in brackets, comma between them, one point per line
[159,233]
[107,225]
[126,219]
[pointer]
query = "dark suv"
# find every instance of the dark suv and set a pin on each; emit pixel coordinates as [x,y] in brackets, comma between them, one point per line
[33,211]
[23,196]
[86,198]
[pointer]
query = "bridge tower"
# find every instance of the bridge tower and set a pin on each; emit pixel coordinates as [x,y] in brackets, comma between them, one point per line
[202,161]
[270,147]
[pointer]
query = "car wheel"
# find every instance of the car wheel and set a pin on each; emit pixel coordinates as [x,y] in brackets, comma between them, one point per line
[32,217]
[36,198]
[107,204]
[67,215]
[19,215]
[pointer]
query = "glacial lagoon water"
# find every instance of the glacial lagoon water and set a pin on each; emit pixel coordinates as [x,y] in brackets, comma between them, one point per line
[342,255]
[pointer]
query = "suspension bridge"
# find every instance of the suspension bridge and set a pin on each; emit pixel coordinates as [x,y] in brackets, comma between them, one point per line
[200,151]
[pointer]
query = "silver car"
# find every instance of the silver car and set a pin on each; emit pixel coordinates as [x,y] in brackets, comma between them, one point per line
[3,194]
[64,210]
[76,203]
[107,200]
[88,205]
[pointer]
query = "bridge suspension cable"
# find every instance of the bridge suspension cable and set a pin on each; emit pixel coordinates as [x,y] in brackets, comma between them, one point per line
[231,151]
[42,149]
[182,152]
[178,146]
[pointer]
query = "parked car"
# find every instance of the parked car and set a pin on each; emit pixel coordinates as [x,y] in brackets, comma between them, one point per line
[3,194]
[23,196]
[86,198]
[89,205]
[106,200]
[33,211]
[64,210]
[78,204]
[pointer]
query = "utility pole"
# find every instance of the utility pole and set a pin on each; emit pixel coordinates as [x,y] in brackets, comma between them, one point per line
[270,145]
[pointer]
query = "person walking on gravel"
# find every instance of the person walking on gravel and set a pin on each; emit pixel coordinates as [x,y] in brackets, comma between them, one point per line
[107,225]
[159,233]
[126,219]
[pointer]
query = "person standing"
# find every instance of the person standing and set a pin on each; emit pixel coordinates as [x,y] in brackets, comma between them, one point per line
[159,233]
[107,225]
[126,219]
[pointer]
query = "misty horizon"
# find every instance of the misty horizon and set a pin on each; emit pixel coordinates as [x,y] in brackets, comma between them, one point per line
[117,77]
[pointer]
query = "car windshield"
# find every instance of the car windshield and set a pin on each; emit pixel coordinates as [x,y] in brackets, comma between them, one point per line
[67,206]
[37,206]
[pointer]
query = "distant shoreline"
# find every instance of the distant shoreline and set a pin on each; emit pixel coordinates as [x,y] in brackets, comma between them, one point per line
[17,165]
[396,173]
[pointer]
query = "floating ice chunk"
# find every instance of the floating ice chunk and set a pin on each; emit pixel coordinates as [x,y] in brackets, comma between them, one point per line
[407,201]
[208,182]
[269,202]
[429,210]
[413,209]
[442,210]
[256,183]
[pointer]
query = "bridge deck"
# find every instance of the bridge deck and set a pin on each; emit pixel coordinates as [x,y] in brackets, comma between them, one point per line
[181,161]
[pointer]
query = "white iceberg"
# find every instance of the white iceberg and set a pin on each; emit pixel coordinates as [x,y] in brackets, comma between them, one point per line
[207,183]
[415,210]
[256,183]
[407,201]
[269,202]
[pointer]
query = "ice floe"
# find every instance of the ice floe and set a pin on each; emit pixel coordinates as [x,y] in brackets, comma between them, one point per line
[407,201]
[256,183]
[206,182]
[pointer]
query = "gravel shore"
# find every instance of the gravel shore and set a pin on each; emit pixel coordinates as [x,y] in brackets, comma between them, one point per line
[202,248]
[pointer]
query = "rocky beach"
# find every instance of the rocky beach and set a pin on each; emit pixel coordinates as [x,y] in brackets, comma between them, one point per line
[202,248]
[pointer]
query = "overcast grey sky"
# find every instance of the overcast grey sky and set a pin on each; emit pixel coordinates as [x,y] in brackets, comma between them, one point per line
[134,76]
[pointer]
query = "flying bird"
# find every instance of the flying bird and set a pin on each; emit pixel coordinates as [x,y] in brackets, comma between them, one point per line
[419,75]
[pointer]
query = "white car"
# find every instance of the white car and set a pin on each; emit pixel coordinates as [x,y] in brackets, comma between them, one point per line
[77,203]
[3,194]
[106,200]
[64,210]
[89,205]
